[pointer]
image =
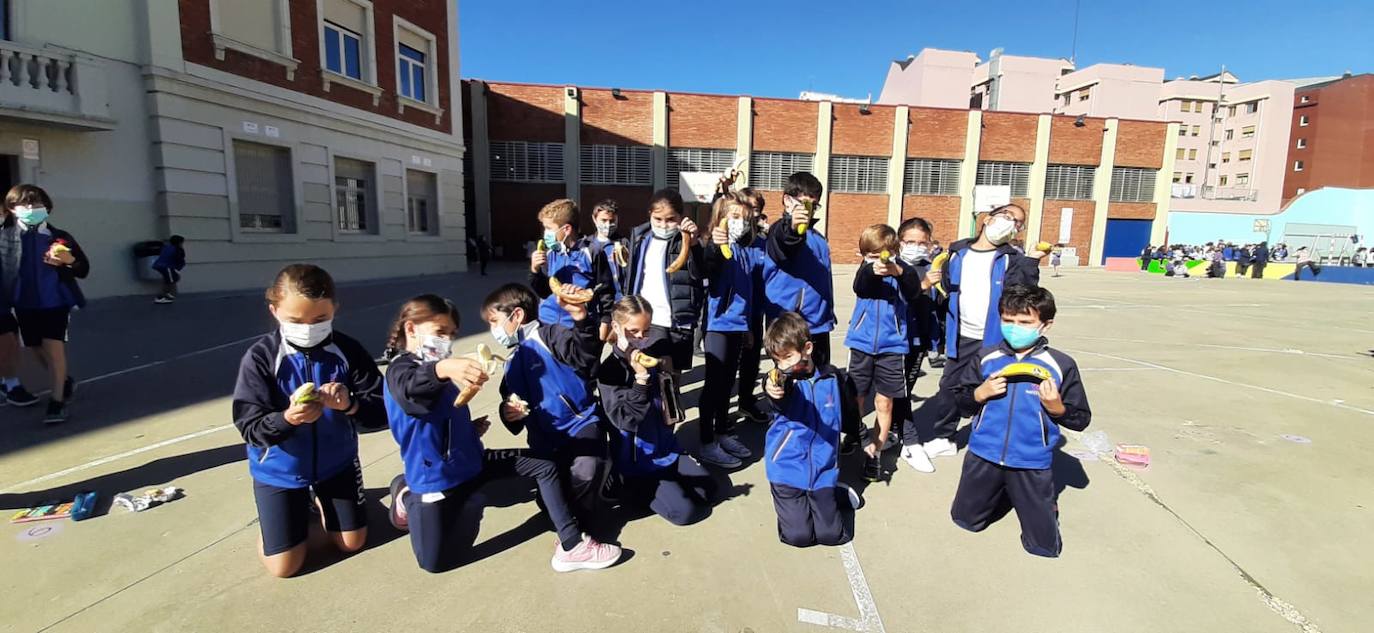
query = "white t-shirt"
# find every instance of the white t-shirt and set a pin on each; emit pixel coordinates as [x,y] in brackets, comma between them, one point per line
[975,289]
[653,289]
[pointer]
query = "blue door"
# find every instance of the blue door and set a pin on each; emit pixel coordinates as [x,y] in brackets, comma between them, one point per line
[1125,238]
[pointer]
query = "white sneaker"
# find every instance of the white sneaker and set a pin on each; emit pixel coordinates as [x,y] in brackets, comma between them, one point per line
[715,455]
[940,447]
[855,501]
[731,444]
[916,457]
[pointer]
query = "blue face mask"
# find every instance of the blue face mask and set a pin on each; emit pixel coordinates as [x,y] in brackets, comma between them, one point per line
[31,216]
[1020,337]
[551,240]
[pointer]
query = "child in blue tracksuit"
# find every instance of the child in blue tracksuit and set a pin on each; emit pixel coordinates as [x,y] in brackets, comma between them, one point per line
[169,263]
[299,444]
[40,264]
[923,329]
[877,335]
[548,389]
[654,471]
[729,308]
[796,273]
[570,263]
[1016,422]
[613,246]
[810,406]
[752,352]
[441,446]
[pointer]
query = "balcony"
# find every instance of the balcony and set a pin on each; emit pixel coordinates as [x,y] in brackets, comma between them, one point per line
[52,86]
[1209,192]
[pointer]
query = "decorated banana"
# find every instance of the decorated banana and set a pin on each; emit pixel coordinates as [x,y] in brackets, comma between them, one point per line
[1027,371]
[569,292]
[937,263]
[725,249]
[305,394]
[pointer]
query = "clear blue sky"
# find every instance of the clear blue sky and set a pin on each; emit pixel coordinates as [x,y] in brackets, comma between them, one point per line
[773,48]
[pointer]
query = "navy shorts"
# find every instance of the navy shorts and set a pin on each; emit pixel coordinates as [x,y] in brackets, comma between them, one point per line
[882,374]
[36,326]
[284,513]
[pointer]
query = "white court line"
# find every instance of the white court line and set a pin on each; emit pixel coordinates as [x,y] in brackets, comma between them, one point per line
[1292,351]
[112,458]
[869,621]
[1331,403]
[1116,369]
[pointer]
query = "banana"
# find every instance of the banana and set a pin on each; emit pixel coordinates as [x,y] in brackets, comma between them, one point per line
[681,256]
[541,246]
[519,403]
[488,360]
[621,255]
[569,292]
[809,206]
[304,394]
[885,256]
[58,247]
[937,263]
[1044,247]
[646,361]
[725,249]
[1029,371]
[775,376]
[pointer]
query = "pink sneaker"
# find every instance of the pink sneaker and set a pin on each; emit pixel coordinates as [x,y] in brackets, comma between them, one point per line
[589,554]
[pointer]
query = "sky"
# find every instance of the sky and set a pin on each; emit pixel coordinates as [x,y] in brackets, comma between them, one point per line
[778,49]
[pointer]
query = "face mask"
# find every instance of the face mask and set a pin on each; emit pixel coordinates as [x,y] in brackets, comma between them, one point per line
[799,370]
[913,253]
[434,348]
[604,229]
[1020,337]
[551,240]
[306,335]
[999,230]
[736,228]
[506,339]
[666,234]
[31,216]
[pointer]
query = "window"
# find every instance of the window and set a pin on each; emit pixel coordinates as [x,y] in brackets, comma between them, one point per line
[769,170]
[1244,155]
[1302,143]
[1192,154]
[1211,165]
[520,161]
[931,177]
[1225,157]
[1252,107]
[858,174]
[1302,121]
[1196,130]
[682,159]
[261,28]
[1230,134]
[1231,111]
[617,165]
[412,73]
[1069,182]
[1181,154]
[1247,131]
[1183,130]
[353,185]
[1301,190]
[1197,106]
[343,51]
[1084,94]
[1188,178]
[1242,179]
[416,66]
[1297,165]
[1178,178]
[1015,175]
[1223,181]
[262,175]
[1134,184]
[422,203]
[1304,99]
[1185,106]
[1216,143]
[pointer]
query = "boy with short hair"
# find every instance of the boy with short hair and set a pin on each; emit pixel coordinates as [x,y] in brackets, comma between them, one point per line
[570,263]
[1021,391]
[924,331]
[796,273]
[169,263]
[811,403]
[613,246]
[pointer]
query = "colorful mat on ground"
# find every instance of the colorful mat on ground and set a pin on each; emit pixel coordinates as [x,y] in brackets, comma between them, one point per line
[1281,270]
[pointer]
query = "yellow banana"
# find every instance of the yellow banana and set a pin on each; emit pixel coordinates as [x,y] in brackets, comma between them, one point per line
[304,394]
[936,264]
[1025,370]
[725,247]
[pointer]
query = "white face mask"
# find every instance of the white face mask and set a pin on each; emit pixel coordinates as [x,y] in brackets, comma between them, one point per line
[913,253]
[999,230]
[306,335]
[604,229]
[666,233]
[735,227]
[434,348]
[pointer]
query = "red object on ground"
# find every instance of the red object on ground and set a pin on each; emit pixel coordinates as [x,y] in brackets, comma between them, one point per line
[1123,264]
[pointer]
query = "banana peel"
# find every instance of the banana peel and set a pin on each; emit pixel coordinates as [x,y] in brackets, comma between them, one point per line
[485,356]
[681,256]
[1025,371]
[646,361]
[305,394]
[725,249]
[621,254]
[937,264]
[570,293]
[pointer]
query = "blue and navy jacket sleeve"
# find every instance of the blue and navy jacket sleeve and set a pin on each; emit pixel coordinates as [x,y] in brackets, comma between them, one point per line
[1077,413]
[578,347]
[414,385]
[625,401]
[79,268]
[783,242]
[1022,270]
[258,405]
[365,388]
[968,379]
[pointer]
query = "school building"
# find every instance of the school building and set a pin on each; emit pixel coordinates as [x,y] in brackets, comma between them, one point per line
[1093,183]
[264,131]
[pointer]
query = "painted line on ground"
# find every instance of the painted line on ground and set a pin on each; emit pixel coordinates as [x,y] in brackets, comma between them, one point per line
[1270,350]
[869,621]
[113,458]
[1117,369]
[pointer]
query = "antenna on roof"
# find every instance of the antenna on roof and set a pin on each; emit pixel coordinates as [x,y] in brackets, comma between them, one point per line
[1073,52]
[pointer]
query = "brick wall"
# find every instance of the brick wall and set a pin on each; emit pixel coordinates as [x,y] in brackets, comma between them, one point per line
[1140,144]
[1080,229]
[941,211]
[1073,145]
[849,215]
[785,126]
[1008,137]
[706,121]
[525,113]
[853,133]
[934,133]
[1131,210]
[197,46]
[514,210]
[607,120]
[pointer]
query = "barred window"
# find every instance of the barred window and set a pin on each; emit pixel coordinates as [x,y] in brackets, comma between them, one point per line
[1069,182]
[931,177]
[617,165]
[769,170]
[521,161]
[858,174]
[682,159]
[1133,184]
[1016,175]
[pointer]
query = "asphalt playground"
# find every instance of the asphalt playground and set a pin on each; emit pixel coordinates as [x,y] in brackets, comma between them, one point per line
[1256,513]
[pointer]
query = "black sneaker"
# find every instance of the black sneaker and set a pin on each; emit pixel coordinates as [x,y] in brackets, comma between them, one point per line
[57,413]
[851,443]
[163,299]
[69,389]
[937,362]
[750,411]
[20,397]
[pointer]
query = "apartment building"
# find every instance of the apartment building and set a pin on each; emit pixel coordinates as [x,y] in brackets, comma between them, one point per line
[1331,136]
[263,131]
[1093,184]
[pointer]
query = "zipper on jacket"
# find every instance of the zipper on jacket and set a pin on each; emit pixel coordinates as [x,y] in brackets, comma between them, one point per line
[313,370]
[572,409]
[1044,431]
[1011,416]
[785,439]
[267,451]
